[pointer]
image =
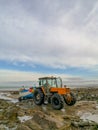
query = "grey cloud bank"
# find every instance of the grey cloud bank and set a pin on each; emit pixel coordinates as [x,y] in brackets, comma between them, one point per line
[51,33]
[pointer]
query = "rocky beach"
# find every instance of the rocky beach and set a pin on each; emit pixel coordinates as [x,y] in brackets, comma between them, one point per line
[25,115]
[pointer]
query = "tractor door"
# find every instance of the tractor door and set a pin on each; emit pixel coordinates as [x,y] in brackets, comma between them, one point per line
[59,82]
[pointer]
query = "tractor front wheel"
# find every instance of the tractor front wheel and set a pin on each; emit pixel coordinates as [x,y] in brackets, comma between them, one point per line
[38,97]
[70,99]
[19,99]
[57,101]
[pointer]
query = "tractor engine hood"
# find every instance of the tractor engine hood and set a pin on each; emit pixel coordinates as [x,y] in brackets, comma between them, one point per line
[61,91]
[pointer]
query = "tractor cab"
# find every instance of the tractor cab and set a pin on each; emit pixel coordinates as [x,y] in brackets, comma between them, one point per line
[51,82]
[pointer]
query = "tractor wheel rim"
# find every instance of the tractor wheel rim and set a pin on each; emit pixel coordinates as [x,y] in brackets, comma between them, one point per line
[56,102]
[38,96]
[69,98]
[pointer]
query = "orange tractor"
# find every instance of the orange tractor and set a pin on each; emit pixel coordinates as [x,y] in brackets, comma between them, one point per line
[50,90]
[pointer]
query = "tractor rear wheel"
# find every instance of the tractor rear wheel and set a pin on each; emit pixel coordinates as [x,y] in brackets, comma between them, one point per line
[38,97]
[57,101]
[70,99]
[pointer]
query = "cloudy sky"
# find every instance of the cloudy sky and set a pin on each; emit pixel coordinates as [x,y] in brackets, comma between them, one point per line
[48,37]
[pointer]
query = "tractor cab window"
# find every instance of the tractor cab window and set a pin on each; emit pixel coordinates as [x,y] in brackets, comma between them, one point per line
[42,82]
[59,82]
[49,82]
[53,83]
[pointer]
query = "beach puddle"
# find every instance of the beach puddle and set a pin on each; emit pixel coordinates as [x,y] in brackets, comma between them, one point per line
[24,118]
[4,127]
[97,106]
[89,116]
[5,97]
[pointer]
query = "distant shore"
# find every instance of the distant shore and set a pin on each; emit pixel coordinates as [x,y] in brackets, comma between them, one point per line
[77,90]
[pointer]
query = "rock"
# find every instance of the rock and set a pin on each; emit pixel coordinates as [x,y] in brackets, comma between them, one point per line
[85,125]
[44,122]
[11,113]
[8,116]
[23,127]
[3,104]
[1,115]
[4,122]
[95,127]
[33,125]
[21,112]
[2,127]
[71,118]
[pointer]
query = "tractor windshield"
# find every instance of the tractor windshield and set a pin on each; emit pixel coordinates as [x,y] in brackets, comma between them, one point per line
[55,82]
[52,82]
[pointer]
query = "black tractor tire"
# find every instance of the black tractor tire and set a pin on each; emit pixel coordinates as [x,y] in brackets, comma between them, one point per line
[38,97]
[57,101]
[19,99]
[70,99]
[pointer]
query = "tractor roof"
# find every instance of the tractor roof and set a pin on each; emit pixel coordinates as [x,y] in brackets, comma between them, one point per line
[47,78]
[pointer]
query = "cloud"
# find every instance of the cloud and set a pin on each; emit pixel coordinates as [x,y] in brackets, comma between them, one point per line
[16,76]
[46,33]
[11,79]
